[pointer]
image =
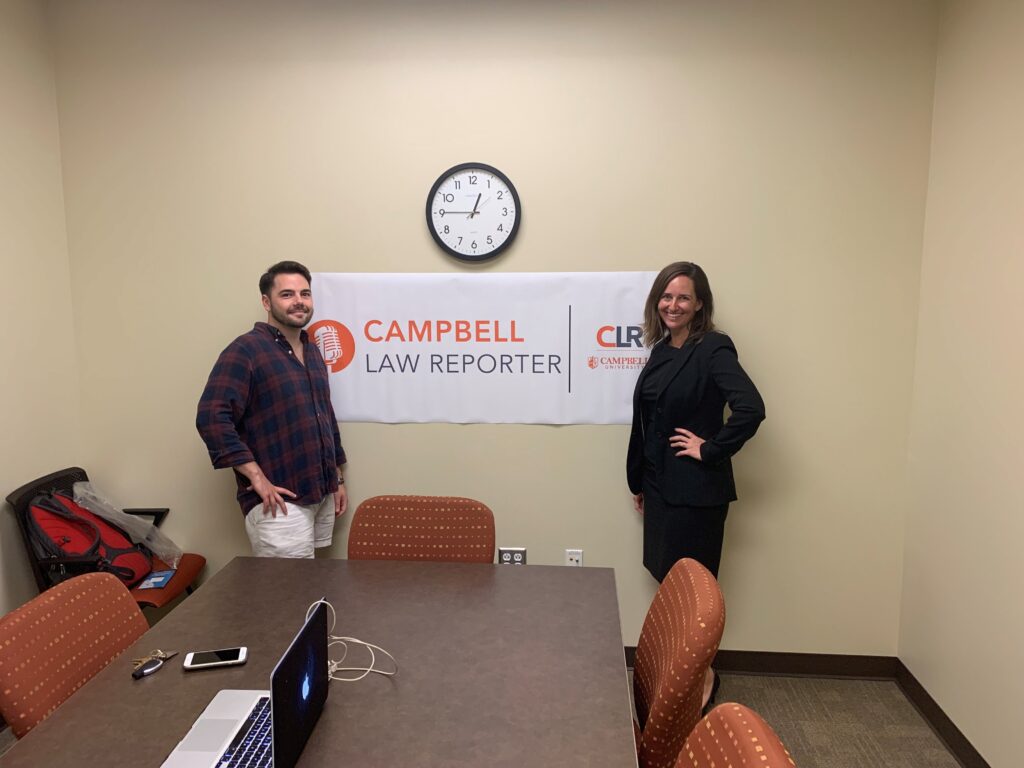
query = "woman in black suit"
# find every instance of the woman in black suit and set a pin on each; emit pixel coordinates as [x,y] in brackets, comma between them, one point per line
[678,465]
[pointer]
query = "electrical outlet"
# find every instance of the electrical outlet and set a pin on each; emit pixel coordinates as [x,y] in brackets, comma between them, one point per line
[511,555]
[574,557]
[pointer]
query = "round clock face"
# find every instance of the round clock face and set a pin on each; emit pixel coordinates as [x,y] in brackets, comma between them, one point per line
[473,211]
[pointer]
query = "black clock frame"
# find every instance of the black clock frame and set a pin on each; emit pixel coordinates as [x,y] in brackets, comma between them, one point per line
[511,235]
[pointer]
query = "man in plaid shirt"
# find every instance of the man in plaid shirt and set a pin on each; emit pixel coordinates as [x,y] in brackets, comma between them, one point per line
[266,413]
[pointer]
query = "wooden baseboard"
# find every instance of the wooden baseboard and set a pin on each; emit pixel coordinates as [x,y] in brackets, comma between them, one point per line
[855,667]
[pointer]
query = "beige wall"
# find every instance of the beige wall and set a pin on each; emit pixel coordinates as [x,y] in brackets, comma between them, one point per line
[39,388]
[782,145]
[961,628]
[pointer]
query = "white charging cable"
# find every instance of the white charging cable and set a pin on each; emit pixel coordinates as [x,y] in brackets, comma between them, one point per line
[335,666]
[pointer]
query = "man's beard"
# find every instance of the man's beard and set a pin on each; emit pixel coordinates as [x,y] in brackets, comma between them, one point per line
[285,319]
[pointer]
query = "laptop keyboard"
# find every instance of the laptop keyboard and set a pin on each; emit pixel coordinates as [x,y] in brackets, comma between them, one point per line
[251,746]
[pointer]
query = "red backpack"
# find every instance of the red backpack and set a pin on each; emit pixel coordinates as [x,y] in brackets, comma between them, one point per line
[59,527]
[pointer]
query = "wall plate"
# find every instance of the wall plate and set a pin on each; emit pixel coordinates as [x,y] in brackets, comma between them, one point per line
[511,555]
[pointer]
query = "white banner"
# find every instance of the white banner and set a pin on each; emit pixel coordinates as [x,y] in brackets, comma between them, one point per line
[528,348]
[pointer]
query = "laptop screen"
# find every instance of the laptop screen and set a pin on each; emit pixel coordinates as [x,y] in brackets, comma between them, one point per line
[298,689]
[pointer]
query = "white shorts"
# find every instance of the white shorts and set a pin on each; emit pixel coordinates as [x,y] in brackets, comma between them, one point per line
[291,535]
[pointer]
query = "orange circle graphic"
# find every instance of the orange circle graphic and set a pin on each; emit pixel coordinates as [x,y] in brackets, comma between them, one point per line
[336,344]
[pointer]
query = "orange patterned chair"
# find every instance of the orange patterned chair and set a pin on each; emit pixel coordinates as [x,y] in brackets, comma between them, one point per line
[448,529]
[677,644]
[732,734]
[54,644]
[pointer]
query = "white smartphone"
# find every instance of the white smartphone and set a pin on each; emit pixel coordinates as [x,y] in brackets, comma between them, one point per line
[224,657]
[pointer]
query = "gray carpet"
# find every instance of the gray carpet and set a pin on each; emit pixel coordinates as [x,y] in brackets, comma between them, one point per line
[828,723]
[6,740]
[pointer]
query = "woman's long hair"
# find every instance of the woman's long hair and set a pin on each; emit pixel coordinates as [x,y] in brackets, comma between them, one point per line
[654,329]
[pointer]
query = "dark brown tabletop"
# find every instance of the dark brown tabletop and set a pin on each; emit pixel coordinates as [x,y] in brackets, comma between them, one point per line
[498,665]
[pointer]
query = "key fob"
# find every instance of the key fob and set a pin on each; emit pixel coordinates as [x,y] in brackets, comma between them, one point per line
[148,668]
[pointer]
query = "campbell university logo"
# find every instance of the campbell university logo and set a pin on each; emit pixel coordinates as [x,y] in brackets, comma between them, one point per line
[335,342]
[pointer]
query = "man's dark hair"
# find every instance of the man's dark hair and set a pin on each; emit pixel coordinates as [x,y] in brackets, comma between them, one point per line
[282,268]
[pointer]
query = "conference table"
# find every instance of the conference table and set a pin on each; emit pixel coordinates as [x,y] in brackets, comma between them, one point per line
[497,665]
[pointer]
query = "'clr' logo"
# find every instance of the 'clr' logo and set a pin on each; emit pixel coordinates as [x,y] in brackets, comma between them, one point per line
[335,342]
[625,336]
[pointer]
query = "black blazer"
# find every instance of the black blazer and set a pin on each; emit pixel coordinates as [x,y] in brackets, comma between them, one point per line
[702,379]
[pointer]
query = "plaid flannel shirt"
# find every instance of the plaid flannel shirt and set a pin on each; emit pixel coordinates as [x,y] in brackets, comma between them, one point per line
[261,404]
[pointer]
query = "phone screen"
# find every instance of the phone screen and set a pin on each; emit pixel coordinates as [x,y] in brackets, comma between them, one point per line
[216,657]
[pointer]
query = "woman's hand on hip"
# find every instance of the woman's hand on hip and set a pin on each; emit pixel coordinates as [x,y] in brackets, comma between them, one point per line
[685,443]
[638,503]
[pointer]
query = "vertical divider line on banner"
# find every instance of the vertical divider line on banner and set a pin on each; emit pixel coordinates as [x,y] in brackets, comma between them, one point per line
[569,366]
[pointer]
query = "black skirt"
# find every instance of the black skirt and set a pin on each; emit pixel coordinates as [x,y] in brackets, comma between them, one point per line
[674,532]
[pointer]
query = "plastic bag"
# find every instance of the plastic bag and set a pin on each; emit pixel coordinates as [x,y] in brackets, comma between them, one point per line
[139,529]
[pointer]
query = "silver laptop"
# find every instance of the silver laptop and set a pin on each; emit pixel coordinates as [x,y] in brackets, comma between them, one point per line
[264,728]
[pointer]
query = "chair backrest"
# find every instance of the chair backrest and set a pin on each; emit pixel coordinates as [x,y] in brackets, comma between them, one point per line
[441,528]
[61,480]
[54,644]
[732,734]
[677,644]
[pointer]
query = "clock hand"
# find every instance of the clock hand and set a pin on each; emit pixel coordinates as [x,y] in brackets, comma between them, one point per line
[477,203]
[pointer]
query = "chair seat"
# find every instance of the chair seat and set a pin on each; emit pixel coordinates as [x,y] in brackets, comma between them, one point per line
[188,569]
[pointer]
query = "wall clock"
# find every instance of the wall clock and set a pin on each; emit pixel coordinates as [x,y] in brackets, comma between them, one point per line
[473,211]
